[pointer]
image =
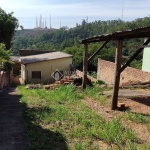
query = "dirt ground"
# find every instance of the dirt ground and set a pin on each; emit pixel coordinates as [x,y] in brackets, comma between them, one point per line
[139,102]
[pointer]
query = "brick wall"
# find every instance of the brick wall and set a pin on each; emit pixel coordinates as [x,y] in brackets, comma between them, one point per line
[80,74]
[106,72]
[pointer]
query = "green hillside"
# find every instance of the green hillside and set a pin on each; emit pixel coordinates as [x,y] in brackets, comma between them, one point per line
[67,40]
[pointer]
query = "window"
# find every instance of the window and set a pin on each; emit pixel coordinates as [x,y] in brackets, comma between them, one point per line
[36,74]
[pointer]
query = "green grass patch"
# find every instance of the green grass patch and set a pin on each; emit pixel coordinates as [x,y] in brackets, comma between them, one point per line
[58,119]
[95,94]
[138,117]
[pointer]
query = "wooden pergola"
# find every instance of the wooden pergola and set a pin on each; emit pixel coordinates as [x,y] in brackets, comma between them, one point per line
[118,36]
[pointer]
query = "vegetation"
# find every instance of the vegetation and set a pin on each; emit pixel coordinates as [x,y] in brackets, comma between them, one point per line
[138,118]
[8,25]
[5,62]
[59,119]
[67,40]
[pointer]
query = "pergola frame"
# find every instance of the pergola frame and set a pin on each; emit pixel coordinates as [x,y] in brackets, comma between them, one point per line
[118,36]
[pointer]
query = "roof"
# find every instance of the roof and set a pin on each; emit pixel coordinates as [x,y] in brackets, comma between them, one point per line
[120,35]
[44,57]
[28,52]
[15,58]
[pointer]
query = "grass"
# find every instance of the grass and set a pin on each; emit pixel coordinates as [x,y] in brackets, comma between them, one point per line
[95,94]
[58,119]
[138,118]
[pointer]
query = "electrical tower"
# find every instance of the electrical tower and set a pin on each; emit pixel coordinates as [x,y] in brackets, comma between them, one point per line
[50,22]
[60,23]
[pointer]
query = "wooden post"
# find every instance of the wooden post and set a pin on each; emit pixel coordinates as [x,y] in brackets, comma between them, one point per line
[118,60]
[85,66]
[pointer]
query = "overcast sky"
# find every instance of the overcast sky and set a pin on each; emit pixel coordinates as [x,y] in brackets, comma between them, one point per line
[71,12]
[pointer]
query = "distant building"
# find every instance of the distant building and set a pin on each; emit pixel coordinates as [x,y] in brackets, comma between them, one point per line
[15,78]
[45,68]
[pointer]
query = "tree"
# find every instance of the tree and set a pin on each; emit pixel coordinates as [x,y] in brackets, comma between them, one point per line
[5,62]
[8,24]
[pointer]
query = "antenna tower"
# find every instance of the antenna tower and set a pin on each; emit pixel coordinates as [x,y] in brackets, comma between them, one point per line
[36,21]
[87,19]
[50,22]
[45,24]
[60,23]
[122,9]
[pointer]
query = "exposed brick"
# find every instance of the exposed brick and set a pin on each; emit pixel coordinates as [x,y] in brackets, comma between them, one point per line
[80,74]
[106,71]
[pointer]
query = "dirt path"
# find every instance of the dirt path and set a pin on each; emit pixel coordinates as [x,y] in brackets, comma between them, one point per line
[141,130]
[130,93]
[12,124]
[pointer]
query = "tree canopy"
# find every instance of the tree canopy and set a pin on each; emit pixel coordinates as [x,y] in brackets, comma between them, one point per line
[5,61]
[8,24]
[67,40]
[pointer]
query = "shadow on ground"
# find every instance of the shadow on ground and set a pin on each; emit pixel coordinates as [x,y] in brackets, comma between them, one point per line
[143,100]
[40,138]
[12,124]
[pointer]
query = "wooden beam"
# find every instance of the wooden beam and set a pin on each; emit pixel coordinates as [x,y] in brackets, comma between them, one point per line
[85,66]
[118,60]
[98,51]
[134,55]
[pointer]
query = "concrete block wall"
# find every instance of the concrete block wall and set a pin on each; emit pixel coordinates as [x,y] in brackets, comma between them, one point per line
[106,71]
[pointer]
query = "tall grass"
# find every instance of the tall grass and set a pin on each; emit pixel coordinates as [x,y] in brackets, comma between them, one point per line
[58,119]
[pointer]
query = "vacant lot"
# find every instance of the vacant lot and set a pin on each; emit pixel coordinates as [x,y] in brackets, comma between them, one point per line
[70,118]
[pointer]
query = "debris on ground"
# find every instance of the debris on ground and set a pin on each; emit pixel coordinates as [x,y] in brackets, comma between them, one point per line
[77,81]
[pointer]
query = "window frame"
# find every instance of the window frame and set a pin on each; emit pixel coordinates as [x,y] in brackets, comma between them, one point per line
[36,75]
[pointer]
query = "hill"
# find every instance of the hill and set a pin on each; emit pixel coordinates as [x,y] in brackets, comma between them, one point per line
[67,40]
[31,32]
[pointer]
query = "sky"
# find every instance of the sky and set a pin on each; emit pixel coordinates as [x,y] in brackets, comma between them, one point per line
[69,12]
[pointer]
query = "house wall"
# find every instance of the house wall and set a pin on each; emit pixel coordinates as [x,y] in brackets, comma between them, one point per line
[146,60]
[46,68]
[106,71]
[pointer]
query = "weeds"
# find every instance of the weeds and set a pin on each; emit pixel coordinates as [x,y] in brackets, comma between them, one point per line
[137,117]
[58,119]
[94,93]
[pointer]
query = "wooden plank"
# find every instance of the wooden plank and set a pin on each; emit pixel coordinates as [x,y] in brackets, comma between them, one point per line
[98,51]
[134,56]
[118,59]
[85,66]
